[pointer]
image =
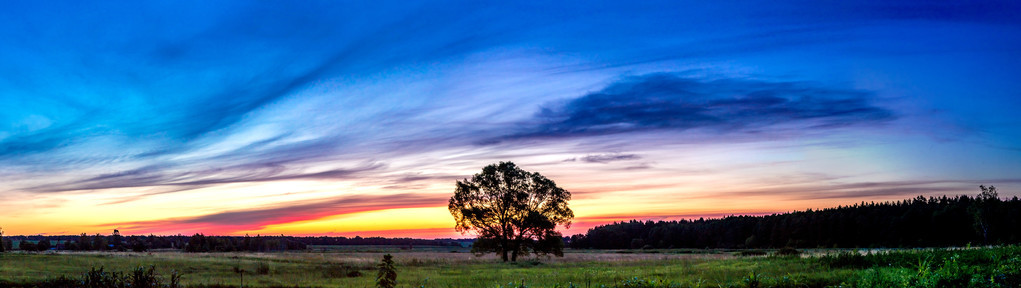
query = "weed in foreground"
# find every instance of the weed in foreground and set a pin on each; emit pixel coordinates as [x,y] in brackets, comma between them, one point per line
[387,276]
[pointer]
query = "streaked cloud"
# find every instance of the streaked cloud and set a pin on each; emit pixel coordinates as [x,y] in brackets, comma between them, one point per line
[234,221]
[607,158]
[243,174]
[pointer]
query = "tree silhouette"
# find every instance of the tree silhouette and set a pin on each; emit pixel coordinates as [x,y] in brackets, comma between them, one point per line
[116,240]
[26,245]
[2,248]
[982,210]
[84,243]
[512,211]
[43,245]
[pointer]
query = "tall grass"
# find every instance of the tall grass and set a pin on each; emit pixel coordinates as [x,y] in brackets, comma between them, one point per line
[992,267]
[986,267]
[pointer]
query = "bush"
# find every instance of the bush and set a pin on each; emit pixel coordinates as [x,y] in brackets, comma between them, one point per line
[331,270]
[102,279]
[751,253]
[262,268]
[528,263]
[24,245]
[846,259]
[43,245]
[144,278]
[787,252]
[140,277]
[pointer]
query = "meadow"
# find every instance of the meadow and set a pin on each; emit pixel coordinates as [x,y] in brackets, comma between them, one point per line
[425,267]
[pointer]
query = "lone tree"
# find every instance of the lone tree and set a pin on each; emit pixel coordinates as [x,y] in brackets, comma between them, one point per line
[512,210]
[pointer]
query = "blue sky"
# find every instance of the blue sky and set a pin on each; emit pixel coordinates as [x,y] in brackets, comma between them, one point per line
[304,117]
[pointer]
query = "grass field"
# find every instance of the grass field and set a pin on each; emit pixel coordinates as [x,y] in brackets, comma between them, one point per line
[429,268]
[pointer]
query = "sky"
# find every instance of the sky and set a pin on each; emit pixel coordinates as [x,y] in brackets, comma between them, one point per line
[353,118]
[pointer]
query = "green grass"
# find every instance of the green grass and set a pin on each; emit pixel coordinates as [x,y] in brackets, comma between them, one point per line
[579,268]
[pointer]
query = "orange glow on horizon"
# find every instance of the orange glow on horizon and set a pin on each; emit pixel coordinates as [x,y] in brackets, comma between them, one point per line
[368,207]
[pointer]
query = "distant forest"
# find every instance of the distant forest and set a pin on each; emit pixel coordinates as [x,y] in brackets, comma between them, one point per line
[202,243]
[918,222]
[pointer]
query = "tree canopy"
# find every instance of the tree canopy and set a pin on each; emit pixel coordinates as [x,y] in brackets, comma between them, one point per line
[512,211]
[919,222]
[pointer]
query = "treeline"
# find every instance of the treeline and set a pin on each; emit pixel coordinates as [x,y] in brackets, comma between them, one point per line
[98,242]
[323,240]
[200,242]
[919,222]
[194,243]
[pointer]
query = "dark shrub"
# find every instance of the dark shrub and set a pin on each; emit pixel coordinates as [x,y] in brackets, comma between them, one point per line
[751,253]
[102,279]
[144,278]
[787,252]
[24,245]
[262,268]
[331,270]
[846,259]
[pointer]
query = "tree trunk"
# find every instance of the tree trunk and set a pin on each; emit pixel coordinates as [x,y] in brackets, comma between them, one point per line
[504,244]
[515,247]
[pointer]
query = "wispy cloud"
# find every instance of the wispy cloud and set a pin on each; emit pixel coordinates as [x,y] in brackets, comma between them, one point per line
[895,190]
[229,222]
[215,70]
[607,158]
[148,177]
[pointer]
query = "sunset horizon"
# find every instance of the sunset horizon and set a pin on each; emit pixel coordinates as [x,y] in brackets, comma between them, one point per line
[326,119]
